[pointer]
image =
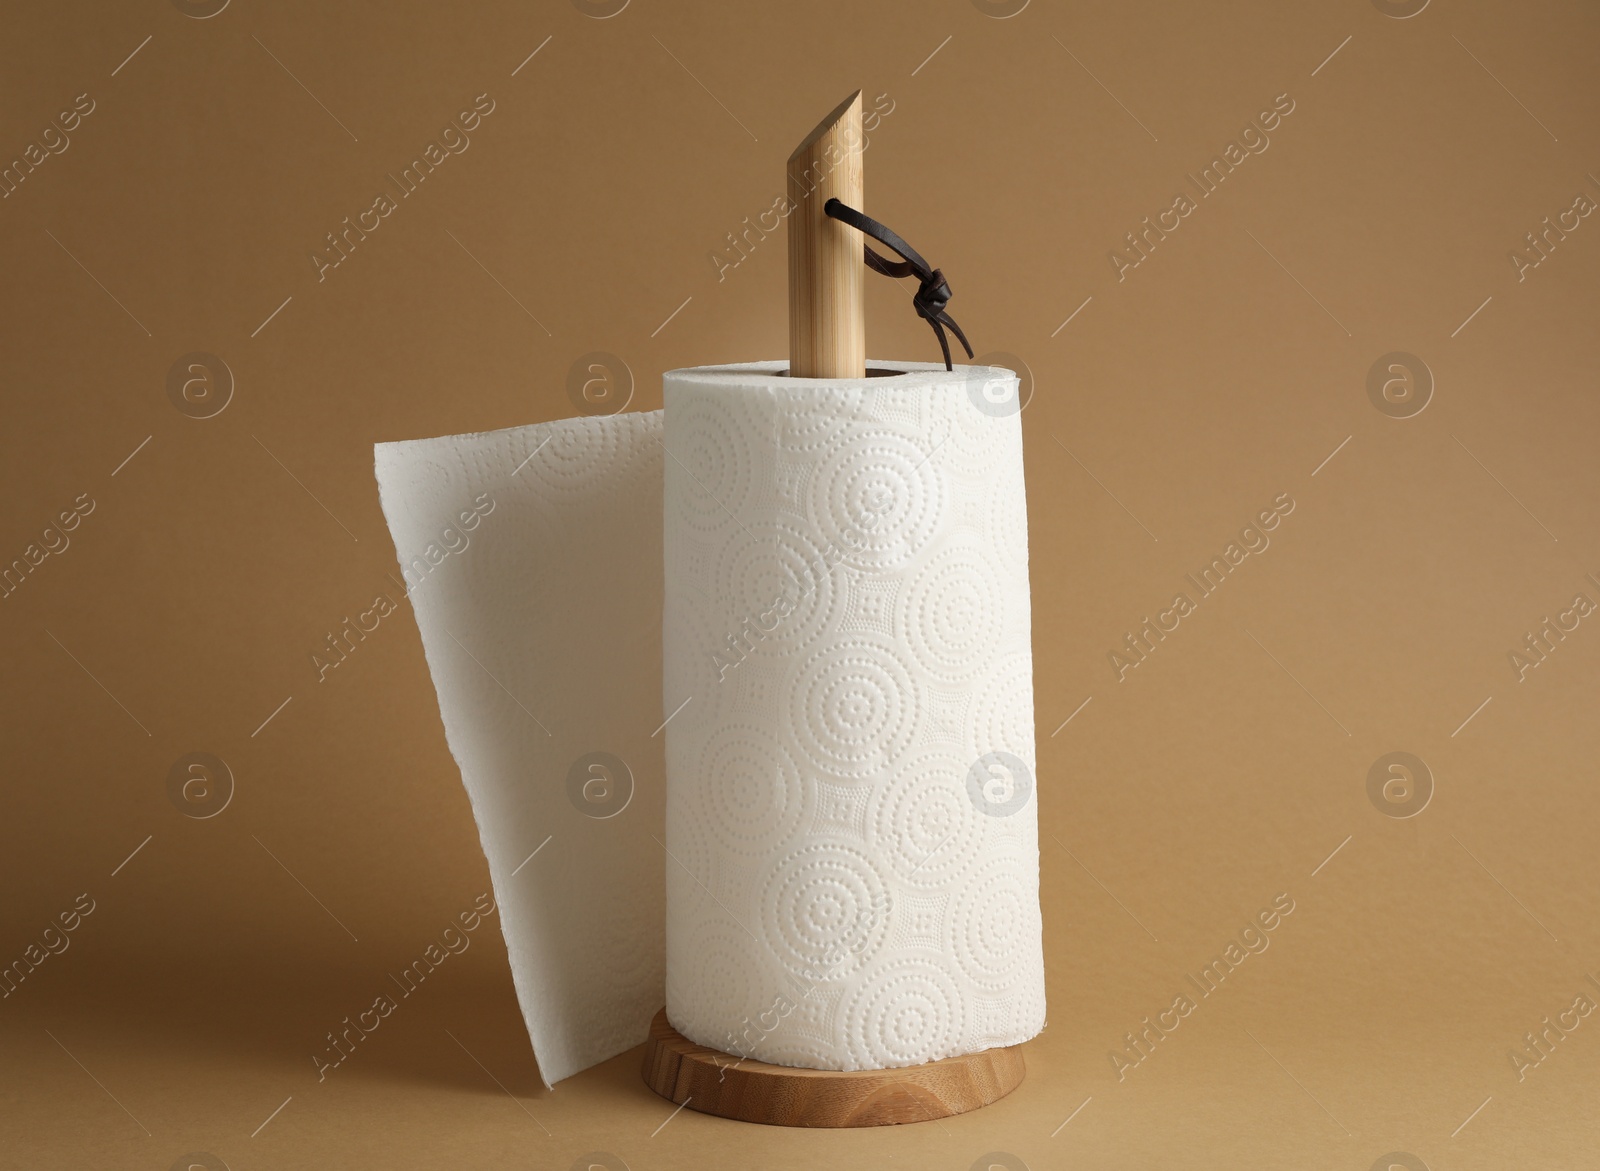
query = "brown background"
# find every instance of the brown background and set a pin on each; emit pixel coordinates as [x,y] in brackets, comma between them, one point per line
[1224,770]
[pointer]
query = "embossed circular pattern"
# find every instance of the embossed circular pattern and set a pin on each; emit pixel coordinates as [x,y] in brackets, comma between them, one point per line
[951,615]
[825,912]
[621,965]
[809,420]
[973,437]
[777,560]
[910,1012]
[693,654]
[1004,708]
[521,538]
[799,1054]
[751,790]
[712,996]
[1008,516]
[923,822]
[878,497]
[569,457]
[994,927]
[710,457]
[694,849]
[853,708]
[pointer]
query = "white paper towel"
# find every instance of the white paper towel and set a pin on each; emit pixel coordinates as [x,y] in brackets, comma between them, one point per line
[541,623]
[851,826]
[846,820]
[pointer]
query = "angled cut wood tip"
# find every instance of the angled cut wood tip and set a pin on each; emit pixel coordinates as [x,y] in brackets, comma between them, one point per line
[848,110]
[827,326]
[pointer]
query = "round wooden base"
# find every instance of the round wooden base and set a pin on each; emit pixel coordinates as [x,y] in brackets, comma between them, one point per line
[779,1095]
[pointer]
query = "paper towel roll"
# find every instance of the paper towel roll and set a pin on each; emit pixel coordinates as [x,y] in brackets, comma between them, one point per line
[852,876]
[851,866]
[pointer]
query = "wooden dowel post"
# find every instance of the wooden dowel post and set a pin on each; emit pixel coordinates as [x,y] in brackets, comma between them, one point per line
[827,321]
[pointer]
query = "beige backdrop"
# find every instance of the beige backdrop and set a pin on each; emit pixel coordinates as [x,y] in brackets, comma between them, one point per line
[1369,222]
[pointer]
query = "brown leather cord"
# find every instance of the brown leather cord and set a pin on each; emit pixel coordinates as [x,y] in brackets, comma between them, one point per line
[933,292]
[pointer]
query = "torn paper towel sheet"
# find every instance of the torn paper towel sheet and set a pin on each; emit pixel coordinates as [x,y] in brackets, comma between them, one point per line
[532,558]
[851,817]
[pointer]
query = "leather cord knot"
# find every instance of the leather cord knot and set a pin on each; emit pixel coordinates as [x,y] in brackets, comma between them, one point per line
[933,291]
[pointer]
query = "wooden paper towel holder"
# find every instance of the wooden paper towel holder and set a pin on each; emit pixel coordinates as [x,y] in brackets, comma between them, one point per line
[827,339]
[717,1083]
